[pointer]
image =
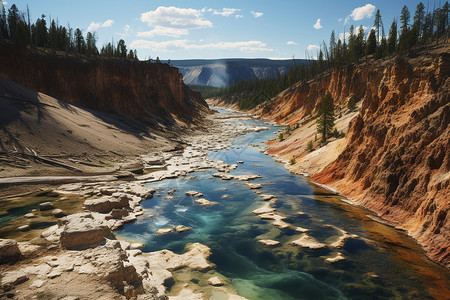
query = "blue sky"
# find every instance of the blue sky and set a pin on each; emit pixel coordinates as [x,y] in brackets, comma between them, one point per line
[217,29]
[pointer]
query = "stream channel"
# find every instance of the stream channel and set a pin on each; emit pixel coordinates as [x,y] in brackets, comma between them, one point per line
[380,262]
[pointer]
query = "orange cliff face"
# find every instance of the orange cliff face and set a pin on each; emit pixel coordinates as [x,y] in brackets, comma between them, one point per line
[150,93]
[395,158]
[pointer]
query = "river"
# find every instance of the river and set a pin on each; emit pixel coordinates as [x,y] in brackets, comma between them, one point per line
[380,261]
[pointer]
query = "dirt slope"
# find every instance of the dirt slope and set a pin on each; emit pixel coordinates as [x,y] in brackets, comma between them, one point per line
[34,123]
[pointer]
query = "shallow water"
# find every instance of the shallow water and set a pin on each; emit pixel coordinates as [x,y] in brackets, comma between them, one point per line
[381,263]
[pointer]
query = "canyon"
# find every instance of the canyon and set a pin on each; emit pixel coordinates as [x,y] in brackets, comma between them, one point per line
[224,72]
[148,92]
[394,158]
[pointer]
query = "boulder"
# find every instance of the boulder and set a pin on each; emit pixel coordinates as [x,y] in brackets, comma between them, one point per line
[204,202]
[254,186]
[215,281]
[106,204]
[164,231]
[182,228]
[24,227]
[193,194]
[82,230]
[45,206]
[58,213]
[267,197]
[269,242]
[9,250]
[14,278]
[264,209]
[307,241]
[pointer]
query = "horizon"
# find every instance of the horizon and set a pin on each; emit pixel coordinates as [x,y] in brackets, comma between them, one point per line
[177,30]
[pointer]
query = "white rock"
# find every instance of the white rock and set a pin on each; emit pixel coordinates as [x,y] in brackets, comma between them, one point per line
[215,281]
[37,284]
[269,242]
[164,231]
[204,202]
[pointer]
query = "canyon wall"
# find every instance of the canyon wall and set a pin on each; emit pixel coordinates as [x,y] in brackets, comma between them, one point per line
[396,159]
[150,93]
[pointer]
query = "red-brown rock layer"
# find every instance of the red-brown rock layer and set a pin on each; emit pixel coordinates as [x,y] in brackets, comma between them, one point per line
[397,158]
[150,93]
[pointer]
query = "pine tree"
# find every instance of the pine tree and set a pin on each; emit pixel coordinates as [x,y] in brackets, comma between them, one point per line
[13,19]
[91,48]
[52,36]
[3,25]
[325,121]
[80,44]
[377,24]
[371,45]
[41,34]
[360,42]
[419,19]
[332,47]
[121,49]
[392,39]
[404,36]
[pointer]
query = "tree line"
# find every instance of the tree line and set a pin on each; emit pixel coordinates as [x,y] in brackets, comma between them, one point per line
[427,28]
[17,28]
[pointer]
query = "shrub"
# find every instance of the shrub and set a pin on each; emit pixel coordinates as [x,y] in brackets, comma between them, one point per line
[292,161]
[281,137]
[335,133]
[351,105]
[310,146]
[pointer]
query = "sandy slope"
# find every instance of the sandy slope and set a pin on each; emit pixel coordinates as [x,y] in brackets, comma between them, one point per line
[34,123]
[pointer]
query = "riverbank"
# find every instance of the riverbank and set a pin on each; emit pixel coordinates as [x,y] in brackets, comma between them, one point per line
[390,154]
[47,259]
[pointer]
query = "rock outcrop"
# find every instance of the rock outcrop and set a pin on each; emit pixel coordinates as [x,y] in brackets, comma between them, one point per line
[395,158]
[148,92]
[9,250]
[82,230]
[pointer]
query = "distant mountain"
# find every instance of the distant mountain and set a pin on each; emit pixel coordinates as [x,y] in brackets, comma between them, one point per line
[223,72]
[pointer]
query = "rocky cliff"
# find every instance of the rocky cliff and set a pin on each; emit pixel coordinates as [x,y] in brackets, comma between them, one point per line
[223,72]
[150,93]
[395,157]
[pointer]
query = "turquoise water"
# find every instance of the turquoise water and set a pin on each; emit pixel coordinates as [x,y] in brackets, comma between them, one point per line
[382,263]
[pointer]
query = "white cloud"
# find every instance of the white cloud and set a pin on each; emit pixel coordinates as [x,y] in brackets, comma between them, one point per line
[125,31]
[165,31]
[4,3]
[341,36]
[225,12]
[108,23]
[239,16]
[175,22]
[291,43]
[313,48]
[96,26]
[93,27]
[256,14]
[317,25]
[168,46]
[362,12]
[174,17]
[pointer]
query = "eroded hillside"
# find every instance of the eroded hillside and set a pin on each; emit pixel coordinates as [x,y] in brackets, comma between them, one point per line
[395,157]
[150,93]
